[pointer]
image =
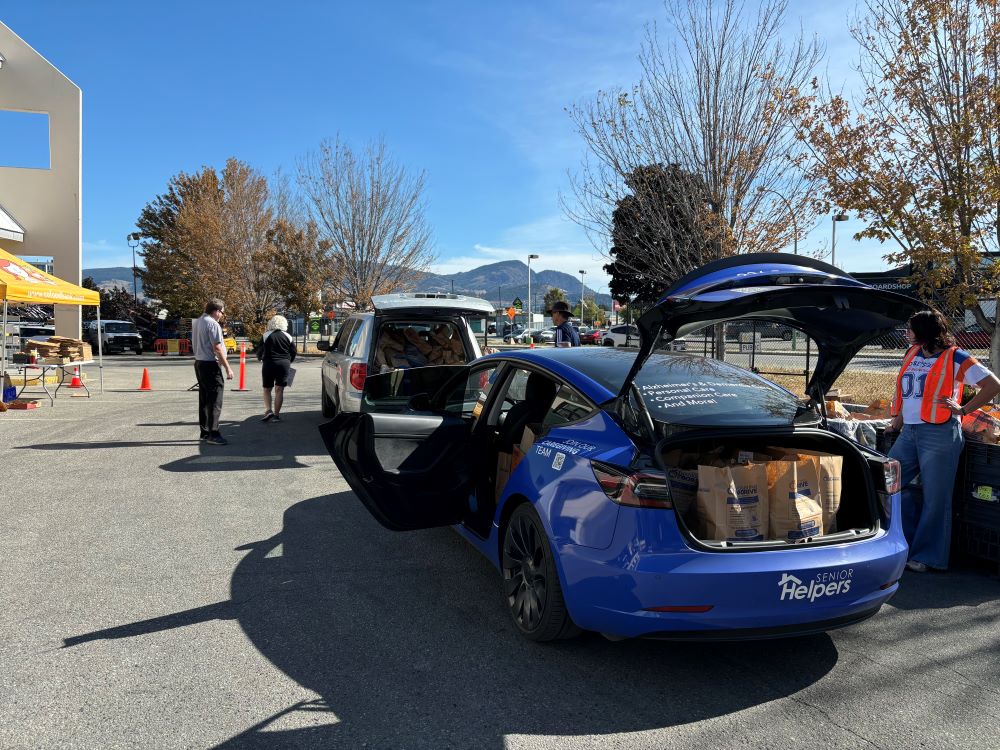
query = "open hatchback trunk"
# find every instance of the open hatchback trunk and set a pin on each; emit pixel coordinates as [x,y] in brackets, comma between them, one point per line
[839,313]
[739,490]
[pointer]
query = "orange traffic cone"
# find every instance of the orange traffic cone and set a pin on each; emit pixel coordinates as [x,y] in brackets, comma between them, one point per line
[532,345]
[145,384]
[76,382]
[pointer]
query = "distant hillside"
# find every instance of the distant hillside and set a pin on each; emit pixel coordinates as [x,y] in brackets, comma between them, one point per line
[111,278]
[506,280]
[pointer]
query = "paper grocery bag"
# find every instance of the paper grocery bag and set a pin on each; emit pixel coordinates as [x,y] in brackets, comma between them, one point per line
[795,509]
[683,485]
[732,502]
[831,470]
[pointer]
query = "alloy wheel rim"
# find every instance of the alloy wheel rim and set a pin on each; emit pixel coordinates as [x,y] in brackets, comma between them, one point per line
[524,572]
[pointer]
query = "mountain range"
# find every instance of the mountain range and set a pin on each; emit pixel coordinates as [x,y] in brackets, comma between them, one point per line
[497,282]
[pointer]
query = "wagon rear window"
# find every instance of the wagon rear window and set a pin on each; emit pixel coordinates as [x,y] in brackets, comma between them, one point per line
[700,391]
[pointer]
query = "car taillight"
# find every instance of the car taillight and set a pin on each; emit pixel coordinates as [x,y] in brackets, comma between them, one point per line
[640,489]
[358,375]
[892,475]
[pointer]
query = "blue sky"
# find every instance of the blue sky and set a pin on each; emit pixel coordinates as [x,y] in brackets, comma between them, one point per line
[472,93]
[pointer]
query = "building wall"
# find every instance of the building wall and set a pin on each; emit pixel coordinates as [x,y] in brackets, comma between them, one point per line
[46,202]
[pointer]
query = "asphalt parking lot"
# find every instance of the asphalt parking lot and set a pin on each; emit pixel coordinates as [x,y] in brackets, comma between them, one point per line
[160,592]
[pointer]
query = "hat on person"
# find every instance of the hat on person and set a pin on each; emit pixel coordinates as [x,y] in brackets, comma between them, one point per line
[560,307]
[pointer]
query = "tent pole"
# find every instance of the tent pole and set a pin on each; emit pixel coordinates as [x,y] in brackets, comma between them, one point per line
[100,352]
[3,373]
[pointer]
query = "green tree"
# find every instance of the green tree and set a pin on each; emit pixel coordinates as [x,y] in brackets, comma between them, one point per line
[553,295]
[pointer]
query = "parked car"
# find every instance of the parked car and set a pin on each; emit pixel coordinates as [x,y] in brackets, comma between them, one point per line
[544,336]
[766,328]
[20,332]
[624,335]
[511,331]
[117,336]
[973,337]
[405,331]
[593,336]
[894,339]
[585,530]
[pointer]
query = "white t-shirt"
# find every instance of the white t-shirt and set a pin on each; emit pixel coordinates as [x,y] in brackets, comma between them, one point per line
[912,383]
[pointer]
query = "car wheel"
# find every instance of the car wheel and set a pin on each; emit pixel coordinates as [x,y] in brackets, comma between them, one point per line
[329,408]
[530,580]
[609,342]
[786,335]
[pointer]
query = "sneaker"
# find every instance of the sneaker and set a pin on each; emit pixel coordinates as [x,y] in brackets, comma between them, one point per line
[216,439]
[203,436]
[275,418]
[269,416]
[916,566]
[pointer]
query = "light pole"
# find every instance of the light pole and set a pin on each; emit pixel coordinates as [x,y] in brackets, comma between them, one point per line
[833,245]
[791,212]
[133,242]
[530,321]
[582,272]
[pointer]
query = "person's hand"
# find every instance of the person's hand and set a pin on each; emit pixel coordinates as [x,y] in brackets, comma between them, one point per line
[952,404]
[896,424]
[229,373]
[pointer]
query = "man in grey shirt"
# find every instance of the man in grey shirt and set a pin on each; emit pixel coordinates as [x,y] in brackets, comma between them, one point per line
[209,362]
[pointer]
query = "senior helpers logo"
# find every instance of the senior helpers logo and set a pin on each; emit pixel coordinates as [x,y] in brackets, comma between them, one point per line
[827,583]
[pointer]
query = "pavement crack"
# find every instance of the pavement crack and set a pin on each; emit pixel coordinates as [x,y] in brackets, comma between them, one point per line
[834,722]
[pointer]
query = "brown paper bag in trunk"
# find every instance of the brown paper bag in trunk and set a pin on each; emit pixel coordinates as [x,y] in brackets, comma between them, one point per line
[796,513]
[831,471]
[732,502]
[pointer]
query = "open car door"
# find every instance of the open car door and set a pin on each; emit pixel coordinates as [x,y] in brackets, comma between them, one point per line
[838,312]
[412,470]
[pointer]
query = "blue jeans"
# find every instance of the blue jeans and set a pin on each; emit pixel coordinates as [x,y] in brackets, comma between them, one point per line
[932,451]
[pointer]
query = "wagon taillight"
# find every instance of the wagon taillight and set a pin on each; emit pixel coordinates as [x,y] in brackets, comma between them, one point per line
[644,488]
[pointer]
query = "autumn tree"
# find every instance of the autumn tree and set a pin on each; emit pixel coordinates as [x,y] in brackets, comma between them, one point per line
[370,211]
[302,270]
[917,156]
[706,106]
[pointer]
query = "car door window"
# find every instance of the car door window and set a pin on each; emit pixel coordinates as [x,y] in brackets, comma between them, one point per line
[353,348]
[468,396]
[568,406]
[343,336]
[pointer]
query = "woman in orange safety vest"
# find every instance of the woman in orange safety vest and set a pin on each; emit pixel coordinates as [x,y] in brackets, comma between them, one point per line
[926,411]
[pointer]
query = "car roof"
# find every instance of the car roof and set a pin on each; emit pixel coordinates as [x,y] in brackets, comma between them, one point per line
[431,301]
[571,366]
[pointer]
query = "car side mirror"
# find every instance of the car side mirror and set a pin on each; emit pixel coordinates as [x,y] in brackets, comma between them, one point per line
[323,346]
[419,402]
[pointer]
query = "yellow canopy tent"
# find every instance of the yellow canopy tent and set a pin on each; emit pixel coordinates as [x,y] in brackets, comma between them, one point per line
[22,282]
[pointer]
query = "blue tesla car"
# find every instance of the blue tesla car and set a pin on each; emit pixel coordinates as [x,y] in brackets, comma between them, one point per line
[551,462]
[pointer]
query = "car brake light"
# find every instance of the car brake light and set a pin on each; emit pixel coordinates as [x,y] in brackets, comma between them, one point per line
[640,489]
[358,375]
[892,475]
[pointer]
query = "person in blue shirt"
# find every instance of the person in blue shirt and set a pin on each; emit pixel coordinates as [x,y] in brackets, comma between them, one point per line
[566,334]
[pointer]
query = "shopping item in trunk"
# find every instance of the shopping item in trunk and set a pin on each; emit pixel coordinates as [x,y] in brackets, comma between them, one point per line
[831,470]
[796,513]
[732,502]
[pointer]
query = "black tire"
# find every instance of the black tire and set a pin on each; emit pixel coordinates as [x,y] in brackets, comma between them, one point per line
[609,342]
[530,580]
[328,406]
[786,335]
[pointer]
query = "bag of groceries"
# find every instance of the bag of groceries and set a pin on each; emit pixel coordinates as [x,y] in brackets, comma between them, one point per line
[831,470]
[682,478]
[732,502]
[795,511]
[980,426]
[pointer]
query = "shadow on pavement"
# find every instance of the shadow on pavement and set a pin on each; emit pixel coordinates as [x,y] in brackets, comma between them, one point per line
[405,642]
[966,584]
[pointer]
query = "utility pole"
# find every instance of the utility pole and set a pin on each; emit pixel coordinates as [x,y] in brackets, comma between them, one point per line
[582,272]
[530,321]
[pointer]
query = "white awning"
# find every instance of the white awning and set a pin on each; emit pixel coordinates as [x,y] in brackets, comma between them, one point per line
[10,229]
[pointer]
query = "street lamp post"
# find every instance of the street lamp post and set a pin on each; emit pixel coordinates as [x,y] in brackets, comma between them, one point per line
[133,242]
[791,212]
[833,244]
[582,272]
[530,321]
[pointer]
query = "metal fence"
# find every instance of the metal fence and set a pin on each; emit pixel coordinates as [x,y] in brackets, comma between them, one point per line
[788,356]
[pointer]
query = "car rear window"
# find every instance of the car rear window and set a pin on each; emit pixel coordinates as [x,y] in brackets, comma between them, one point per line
[405,344]
[702,392]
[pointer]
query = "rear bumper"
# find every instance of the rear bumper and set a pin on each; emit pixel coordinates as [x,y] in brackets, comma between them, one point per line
[760,594]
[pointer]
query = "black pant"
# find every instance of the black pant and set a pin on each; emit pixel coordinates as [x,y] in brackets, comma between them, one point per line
[211,387]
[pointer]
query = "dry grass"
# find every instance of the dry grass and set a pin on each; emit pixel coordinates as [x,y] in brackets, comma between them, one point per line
[859,387]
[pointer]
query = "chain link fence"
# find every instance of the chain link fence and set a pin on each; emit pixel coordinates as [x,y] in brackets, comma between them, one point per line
[788,357]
